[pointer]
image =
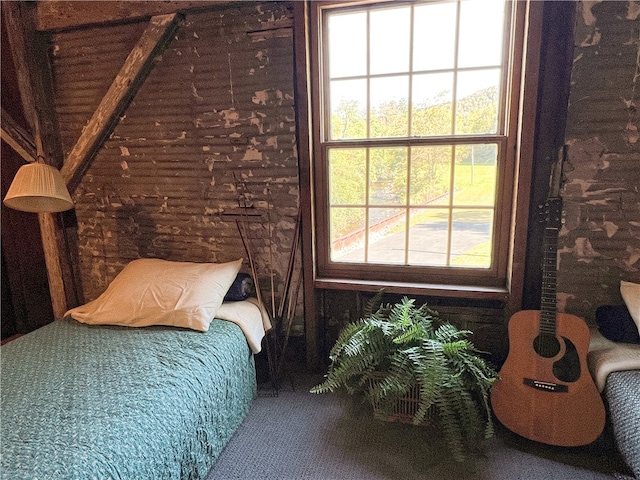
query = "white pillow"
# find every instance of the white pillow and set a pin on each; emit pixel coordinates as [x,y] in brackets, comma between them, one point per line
[631,296]
[151,291]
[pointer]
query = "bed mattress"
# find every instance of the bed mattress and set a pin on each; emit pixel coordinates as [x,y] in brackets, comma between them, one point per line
[624,408]
[82,401]
[615,368]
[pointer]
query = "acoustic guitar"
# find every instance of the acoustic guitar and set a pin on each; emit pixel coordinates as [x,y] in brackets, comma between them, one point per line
[545,391]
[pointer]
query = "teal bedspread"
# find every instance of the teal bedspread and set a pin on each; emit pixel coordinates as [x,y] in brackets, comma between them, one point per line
[104,402]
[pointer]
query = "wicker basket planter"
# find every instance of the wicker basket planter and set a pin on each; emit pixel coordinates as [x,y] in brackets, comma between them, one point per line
[404,408]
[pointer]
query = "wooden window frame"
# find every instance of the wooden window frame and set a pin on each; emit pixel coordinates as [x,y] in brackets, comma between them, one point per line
[513,184]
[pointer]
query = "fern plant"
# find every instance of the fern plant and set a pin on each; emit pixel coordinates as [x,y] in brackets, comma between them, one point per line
[402,345]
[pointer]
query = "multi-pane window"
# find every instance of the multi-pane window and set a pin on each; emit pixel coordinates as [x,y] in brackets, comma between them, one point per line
[416,136]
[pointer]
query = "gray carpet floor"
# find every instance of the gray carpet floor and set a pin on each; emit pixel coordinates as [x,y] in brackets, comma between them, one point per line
[302,436]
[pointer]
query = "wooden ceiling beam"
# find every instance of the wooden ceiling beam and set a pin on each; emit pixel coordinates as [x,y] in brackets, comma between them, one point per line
[62,15]
[17,137]
[154,39]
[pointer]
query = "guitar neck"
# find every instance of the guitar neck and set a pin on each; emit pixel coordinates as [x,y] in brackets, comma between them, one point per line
[549,285]
[549,265]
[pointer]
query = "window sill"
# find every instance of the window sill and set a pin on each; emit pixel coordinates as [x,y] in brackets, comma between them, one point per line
[426,289]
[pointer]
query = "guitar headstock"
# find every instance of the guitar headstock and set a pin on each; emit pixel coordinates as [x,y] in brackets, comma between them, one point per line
[552,208]
[553,212]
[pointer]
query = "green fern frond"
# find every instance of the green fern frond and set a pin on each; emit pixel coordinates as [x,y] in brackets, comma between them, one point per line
[403,312]
[484,375]
[447,332]
[451,349]
[471,422]
[432,346]
[373,304]
[412,334]
[448,421]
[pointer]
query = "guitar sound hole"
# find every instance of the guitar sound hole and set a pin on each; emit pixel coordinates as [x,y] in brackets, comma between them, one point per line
[546,346]
[567,369]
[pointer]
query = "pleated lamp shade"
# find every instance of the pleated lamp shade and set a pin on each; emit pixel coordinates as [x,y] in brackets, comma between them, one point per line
[38,187]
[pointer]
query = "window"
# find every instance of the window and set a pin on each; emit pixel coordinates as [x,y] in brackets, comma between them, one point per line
[416,142]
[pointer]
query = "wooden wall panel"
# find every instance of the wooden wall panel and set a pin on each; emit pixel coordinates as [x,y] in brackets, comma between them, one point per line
[215,116]
[600,239]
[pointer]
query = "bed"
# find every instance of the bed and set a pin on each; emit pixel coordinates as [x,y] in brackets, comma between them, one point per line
[81,399]
[614,363]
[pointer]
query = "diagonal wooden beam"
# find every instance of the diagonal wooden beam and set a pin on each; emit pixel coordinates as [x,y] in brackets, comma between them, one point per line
[28,49]
[17,137]
[137,66]
[16,24]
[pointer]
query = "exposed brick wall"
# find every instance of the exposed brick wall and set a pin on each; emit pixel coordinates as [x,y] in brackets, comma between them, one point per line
[600,238]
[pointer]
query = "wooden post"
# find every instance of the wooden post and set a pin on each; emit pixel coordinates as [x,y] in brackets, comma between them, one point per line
[30,62]
[52,259]
[303,119]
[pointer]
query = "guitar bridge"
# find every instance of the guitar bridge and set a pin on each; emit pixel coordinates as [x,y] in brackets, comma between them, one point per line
[546,386]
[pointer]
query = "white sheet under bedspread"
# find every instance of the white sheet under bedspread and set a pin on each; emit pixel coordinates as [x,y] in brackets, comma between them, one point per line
[250,316]
[605,357]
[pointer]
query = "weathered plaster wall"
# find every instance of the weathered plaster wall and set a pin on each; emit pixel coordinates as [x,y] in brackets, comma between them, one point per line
[600,238]
[212,127]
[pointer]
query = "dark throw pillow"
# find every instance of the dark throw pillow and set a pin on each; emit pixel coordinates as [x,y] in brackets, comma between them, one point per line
[240,289]
[616,324]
